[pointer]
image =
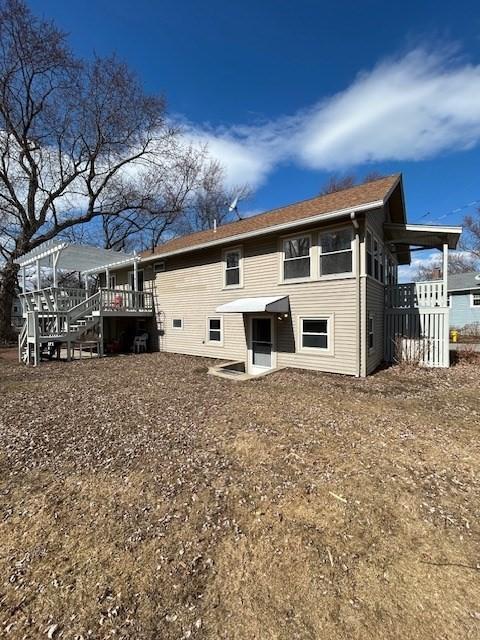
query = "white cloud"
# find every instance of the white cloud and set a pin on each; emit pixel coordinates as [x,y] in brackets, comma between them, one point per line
[407,108]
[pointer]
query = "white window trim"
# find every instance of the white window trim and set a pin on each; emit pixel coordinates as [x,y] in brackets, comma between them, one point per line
[218,343]
[311,256]
[330,350]
[160,262]
[371,317]
[344,274]
[178,328]
[472,297]
[237,249]
[112,277]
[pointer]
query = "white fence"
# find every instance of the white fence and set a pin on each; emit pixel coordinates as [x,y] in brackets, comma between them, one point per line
[416,295]
[417,323]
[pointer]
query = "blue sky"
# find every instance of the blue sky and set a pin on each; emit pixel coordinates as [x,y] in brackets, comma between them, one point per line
[286,92]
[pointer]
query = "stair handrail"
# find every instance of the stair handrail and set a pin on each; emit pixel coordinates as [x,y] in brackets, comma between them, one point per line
[89,304]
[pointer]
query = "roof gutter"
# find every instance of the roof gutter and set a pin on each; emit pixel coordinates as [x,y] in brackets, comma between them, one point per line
[321,217]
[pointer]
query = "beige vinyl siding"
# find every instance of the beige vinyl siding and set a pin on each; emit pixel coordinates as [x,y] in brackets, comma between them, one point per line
[191,288]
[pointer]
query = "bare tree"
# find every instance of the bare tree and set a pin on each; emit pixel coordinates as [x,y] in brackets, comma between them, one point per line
[339,183]
[457,263]
[212,200]
[78,142]
[471,236]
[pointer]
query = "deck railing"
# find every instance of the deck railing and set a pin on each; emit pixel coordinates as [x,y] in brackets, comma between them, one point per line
[125,300]
[52,299]
[415,295]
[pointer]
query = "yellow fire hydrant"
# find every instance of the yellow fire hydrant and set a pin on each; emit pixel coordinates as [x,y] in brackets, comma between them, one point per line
[454,335]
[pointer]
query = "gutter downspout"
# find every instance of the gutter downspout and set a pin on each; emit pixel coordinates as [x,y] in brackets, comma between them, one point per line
[358,298]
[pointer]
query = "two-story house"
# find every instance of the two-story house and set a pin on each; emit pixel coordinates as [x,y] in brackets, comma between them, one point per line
[310,285]
[299,286]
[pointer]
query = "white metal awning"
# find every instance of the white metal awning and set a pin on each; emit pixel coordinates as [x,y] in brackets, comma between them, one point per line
[74,257]
[270,304]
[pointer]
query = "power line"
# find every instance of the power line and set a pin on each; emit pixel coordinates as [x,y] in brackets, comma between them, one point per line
[452,212]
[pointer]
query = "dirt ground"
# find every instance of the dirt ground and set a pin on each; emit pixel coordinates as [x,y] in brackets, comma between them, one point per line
[141,498]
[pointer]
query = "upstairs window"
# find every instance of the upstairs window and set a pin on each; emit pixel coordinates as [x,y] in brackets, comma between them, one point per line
[177,323]
[296,258]
[336,252]
[159,267]
[376,266]
[369,245]
[233,265]
[112,281]
[475,299]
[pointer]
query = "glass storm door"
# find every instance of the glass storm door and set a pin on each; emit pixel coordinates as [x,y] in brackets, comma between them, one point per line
[261,344]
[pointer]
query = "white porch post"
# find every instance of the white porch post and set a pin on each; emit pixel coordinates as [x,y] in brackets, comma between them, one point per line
[55,258]
[446,337]
[39,283]
[107,278]
[135,275]
[445,267]
[85,276]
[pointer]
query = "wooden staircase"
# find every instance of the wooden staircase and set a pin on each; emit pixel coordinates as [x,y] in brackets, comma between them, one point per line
[50,322]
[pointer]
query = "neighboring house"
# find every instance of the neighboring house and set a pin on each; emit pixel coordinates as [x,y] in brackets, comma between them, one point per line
[17,313]
[310,285]
[464,299]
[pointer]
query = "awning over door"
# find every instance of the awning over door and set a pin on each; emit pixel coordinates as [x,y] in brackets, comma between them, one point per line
[271,304]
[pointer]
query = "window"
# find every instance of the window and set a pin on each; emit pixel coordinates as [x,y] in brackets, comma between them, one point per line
[369,254]
[377,262]
[475,299]
[296,258]
[371,332]
[131,280]
[112,281]
[177,323]
[159,267]
[315,333]
[233,268]
[336,252]
[215,330]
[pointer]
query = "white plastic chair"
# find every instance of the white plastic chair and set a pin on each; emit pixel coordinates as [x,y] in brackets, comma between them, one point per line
[140,343]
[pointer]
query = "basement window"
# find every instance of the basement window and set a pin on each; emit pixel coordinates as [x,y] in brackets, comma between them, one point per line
[315,334]
[215,330]
[371,332]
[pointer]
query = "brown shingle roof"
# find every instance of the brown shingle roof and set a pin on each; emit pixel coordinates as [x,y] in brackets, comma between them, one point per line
[353,197]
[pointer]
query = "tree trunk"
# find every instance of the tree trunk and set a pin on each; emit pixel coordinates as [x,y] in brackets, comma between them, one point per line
[8,285]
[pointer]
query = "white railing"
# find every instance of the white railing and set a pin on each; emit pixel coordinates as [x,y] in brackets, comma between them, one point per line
[52,299]
[415,295]
[125,300]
